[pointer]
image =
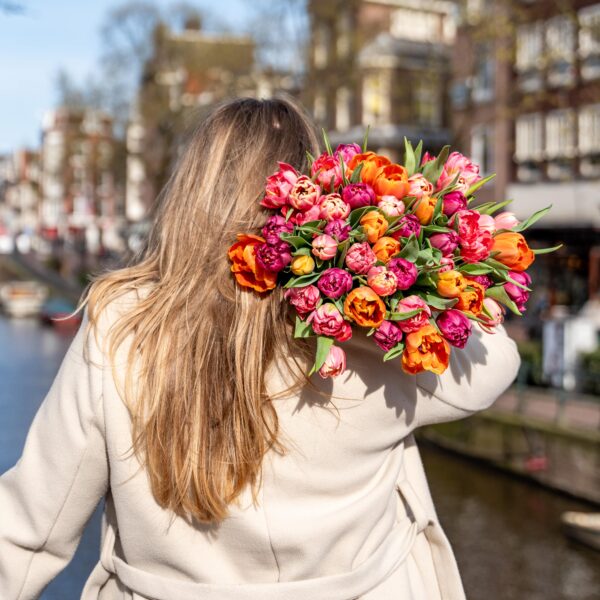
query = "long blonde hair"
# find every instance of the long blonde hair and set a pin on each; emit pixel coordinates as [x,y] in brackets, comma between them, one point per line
[202,420]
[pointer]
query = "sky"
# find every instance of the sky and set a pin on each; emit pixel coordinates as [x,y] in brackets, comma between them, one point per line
[50,35]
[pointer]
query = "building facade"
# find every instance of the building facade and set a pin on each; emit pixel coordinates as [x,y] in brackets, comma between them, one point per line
[526,105]
[80,205]
[382,64]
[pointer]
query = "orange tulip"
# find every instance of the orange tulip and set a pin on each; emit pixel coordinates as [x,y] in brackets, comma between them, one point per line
[424,209]
[513,251]
[245,268]
[374,225]
[450,284]
[371,163]
[391,180]
[385,247]
[425,350]
[365,307]
[471,299]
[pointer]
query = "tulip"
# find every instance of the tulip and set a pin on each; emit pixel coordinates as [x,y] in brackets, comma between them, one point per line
[335,363]
[360,257]
[518,295]
[358,194]
[506,220]
[425,350]
[382,281]
[405,271]
[453,202]
[305,194]
[455,327]
[324,247]
[417,321]
[335,282]
[333,207]
[391,206]
[326,320]
[387,335]
[302,265]
[445,242]
[303,299]
[450,284]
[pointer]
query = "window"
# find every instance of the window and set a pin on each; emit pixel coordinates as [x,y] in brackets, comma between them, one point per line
[589,129]
[343,118]
[322,41]
[560,133]
[344,36]
[530,46]
[529,137]
[560,50]
[320,107]
[482,150]
[483,81]
[427,102]
[589,41]
[589,32]
[411,24]
[376,98]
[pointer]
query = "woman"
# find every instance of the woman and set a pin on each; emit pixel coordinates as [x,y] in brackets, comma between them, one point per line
[226,472]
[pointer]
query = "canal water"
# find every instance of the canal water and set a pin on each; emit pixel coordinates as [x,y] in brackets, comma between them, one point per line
[505,532]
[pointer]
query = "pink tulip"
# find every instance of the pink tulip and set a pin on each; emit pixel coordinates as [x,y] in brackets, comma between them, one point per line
[447,264]
[518,295]
[305,194]
[324,247]
[419,186]
[492,315]
[458,164]
[382,281]
[391,206]
[333,207]
[455,327]
[279,186]
[360,257]
[445,242]
[387,335]
[506,220]
[335,363]
[358,194]
[326,169]
[405,271]
[453,202]
[326,320]
[417,321]
[487,223]
[304,299]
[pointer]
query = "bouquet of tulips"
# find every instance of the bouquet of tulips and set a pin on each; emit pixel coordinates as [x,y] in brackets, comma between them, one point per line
[394,248]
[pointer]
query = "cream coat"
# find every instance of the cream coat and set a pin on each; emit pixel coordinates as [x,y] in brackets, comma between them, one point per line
[345,514]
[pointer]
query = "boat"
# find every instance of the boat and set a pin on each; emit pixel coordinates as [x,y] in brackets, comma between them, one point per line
[22,298]
[583,527]
[57,312]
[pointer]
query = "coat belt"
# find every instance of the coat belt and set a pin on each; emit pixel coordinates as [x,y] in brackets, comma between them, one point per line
[383,562]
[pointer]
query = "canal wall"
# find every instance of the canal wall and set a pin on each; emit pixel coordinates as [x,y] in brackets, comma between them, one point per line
[555,456]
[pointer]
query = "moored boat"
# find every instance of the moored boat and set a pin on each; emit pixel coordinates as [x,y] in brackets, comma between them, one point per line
[58,313]
[22,298]
[583,527]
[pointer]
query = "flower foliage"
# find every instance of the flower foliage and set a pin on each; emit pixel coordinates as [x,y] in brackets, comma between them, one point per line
[398,249]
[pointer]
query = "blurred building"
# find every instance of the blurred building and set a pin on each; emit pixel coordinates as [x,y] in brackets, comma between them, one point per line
[20,196]
[80,206]
[189,72]
[383,64]
[526,105]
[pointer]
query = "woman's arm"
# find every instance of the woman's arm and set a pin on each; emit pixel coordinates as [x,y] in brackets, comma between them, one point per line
[47,498]
[475,377]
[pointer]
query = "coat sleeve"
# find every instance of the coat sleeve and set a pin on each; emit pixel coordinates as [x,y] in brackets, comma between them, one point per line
[475,377]
[47,498]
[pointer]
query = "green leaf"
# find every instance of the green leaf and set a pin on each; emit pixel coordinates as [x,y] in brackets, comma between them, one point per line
[302,280]
[342,249]
[295,240]
[433,169]
[302,328]
[511,280]
[497,292]
[437,210]
[480,183]
[409,157]
[435,229]
[288,214]
[306,251]
[411,249]
[536,216]
[366,139]
[496,265]
[355,177]
[402,316]
[394,352]
[324,343]
[546,250]
[355,216]
[493,207]
[437,301]
[476,269]
[310,158]
[343,170]
[327,143]
[418,152]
